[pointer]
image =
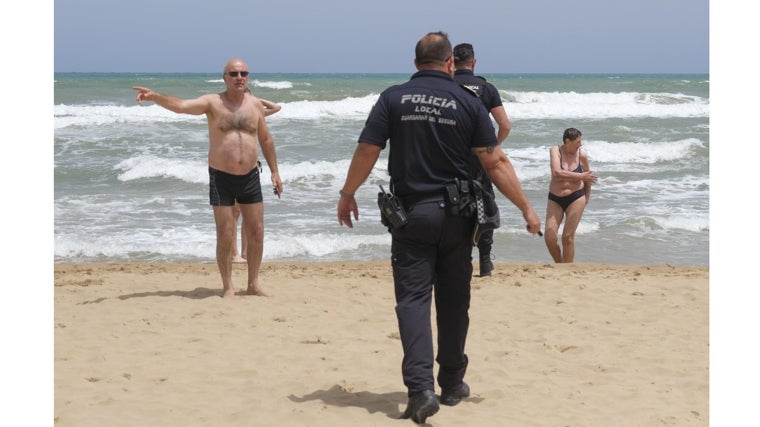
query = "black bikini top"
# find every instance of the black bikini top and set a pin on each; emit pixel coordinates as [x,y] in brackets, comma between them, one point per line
[579,169]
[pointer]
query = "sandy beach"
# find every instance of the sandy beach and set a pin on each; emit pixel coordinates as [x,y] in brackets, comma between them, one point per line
[549,345]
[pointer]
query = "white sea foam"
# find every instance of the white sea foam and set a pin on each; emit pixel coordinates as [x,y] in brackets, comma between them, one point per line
[273,85]
[189,243]
[90,115]
[346,108]
[301,171]
[683,222]
[640,152]
[147,244]
[259,83]
[149,166]
[320,244]
[526,105]
[572,105]
[196,172]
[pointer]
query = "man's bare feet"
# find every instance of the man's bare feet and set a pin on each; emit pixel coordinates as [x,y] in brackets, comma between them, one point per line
[229,293]
[256,290]
[237,259]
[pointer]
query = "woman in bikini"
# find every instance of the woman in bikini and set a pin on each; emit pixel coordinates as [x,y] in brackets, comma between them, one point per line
[569,192]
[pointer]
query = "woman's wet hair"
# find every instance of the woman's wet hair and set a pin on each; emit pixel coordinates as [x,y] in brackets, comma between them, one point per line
[571,134]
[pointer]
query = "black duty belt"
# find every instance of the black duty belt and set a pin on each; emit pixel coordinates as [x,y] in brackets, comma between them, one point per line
[422,198]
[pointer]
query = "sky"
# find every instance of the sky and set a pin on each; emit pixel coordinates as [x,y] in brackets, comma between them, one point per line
[357,36]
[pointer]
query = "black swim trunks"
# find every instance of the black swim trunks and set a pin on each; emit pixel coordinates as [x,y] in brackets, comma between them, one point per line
[565,201]
[225,188]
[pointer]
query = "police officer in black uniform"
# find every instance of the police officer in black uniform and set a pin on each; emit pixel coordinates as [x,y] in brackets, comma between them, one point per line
[434,127]
[464,74]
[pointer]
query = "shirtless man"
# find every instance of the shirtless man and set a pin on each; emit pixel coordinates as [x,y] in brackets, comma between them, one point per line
[569,192]
[236,126]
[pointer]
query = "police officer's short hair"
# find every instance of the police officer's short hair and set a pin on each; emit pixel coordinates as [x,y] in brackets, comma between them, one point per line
[463,52]
[434,47]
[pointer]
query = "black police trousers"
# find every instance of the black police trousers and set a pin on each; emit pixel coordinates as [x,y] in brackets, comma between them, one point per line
[432,253]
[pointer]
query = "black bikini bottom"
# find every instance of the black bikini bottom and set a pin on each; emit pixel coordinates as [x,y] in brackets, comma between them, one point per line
[565,201]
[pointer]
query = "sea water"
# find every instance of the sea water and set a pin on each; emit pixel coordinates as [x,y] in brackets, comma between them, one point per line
[131,181]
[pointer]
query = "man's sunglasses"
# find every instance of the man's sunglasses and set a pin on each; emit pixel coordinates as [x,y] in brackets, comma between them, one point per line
[235,73]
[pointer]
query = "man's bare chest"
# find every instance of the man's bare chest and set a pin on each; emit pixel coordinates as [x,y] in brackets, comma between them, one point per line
[240,120]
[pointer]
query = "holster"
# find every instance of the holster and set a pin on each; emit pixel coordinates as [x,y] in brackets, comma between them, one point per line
[488,217]
[460,200]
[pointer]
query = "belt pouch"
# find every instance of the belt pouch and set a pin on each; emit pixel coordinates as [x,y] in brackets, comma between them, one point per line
[451,195]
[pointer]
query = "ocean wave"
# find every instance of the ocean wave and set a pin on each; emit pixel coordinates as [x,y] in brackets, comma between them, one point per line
[196,172]
[641,152]
[530,162]
[320,245]
[625,152]
[685,222]
[65,116]
[648,224]
[258,83]
[519,105]
[149,166]
[273,85]
[301,171]
[149,244]
[572,105]
[346,108]
[191,243]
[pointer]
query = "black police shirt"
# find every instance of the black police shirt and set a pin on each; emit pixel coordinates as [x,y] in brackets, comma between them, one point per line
[487,92]
[432,124]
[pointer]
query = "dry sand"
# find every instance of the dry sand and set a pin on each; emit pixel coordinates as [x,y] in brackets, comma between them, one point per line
[549,345]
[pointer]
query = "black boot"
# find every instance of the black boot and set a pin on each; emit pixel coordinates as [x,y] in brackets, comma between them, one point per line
[454,395]
[486,266]
[421,405]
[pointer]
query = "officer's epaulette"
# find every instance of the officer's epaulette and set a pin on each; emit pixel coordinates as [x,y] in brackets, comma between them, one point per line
[468,89]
